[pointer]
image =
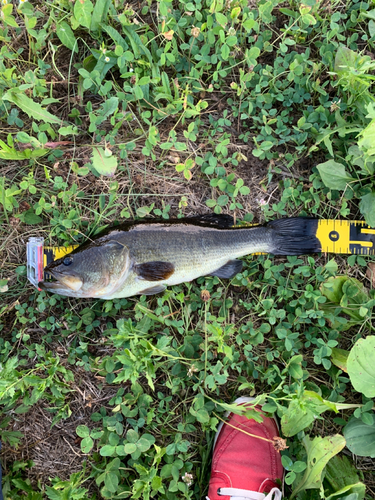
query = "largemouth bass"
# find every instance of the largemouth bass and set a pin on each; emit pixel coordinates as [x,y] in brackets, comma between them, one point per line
[144,257]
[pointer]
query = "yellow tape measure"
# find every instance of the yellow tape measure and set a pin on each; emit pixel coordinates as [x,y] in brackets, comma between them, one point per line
[347,237]
[336,236]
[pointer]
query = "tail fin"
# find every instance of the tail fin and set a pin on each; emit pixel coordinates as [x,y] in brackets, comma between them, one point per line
[295,236]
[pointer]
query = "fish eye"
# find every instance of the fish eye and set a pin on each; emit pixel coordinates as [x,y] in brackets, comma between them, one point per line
[67,261]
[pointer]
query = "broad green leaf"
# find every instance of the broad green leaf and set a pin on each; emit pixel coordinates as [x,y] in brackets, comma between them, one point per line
[66,36]
[137,46]
[116,37]
[361,366]
[69,130]
[30,217]
[222,200]
[343,478]
[143,444]
[367,208]
[370,14]
[31,108]
[308,19]
[319,452]
[82,12]
[149,437]
[99,14]
[297,417]
[111,481]
[52,493]
[82,431]
[360,437]
[138,92]
[109,107]
[25,138]
[6,15]
[294,367]
[22,155]
[350,295]
[221,18]
[144,211]
[104,165]
[334,175]
[156,483]
[130,448]
[332,288]
[345,60]
[339,358]
[332,266]
[265,11]
[132,436]
[107,450]
[366,142]
[86,444]
[303,411]
[351,496]
[225,51]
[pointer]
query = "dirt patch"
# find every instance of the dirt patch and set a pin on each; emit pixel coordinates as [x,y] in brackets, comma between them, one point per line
[55,451]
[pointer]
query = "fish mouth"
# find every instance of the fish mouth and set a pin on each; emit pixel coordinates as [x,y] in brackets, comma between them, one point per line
[62,284]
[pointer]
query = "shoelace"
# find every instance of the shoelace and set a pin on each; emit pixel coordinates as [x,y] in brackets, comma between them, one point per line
[237,494]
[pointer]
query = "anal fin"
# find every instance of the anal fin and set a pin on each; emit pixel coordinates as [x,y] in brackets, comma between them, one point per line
[228,270]
[153,290]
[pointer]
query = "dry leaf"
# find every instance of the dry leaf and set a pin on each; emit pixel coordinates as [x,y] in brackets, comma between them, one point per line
[279,443]
[174,158]
[370,273]
[24,206]
[205,295]
[169,34]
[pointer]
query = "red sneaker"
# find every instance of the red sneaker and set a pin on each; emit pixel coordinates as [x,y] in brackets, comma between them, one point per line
[245,467]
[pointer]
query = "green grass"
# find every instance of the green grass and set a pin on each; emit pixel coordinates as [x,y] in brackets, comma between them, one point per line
[260,110]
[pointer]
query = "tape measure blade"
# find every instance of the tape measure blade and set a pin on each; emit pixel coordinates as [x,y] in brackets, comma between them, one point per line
[346,237]
[54,253]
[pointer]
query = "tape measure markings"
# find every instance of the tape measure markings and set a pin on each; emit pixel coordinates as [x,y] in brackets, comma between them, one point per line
[348,237]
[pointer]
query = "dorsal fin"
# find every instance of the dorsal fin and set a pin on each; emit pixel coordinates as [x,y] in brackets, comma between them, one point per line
[214,220]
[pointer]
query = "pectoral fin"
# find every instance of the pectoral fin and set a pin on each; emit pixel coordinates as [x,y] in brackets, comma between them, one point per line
[153,290]
[228,270]
[155,270]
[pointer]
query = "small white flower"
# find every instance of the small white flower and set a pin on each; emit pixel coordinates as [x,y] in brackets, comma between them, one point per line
[191,370]
[107,59]
[188,478]
[231,31]
[131,70]
[21,1]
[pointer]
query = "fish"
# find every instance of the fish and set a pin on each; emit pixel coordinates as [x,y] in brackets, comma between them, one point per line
[144,257]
